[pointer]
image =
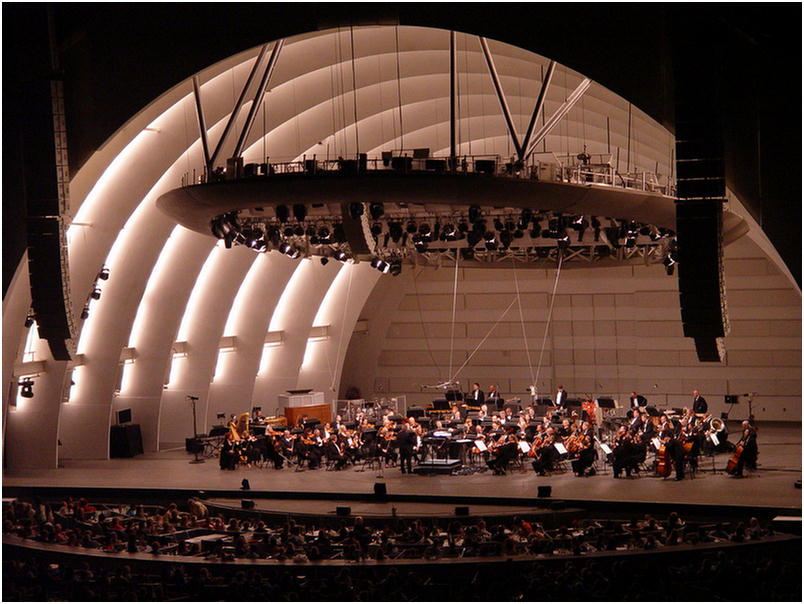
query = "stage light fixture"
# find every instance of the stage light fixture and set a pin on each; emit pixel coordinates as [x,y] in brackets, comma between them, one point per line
[376,229]
[338,233]
[381,265]
[424,230]
[479,227]
[217,227]
[498,225]
[299,211]
[436,229]
[563,241]
[448,232]
[491,245]
[412,227]
[310,231]
[355,210]
[420,245]
[395,231]
[396,268]
[96,294]
[473,238]
[273,234]
[85,313]
[474,213]
[630,242]
[29,320]
[525,216]
[288,231]
[489,236]
[282,213]
[323,233]
[463,227]
[103,274]
[324,260]
[467,253]
[298,230]
[505,239]
[341,256]
[376,210]
[26,388]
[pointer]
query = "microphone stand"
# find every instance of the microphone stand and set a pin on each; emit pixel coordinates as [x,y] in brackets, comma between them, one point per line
[193,399]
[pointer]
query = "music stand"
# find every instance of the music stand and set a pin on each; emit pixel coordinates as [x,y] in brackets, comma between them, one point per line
[193,400]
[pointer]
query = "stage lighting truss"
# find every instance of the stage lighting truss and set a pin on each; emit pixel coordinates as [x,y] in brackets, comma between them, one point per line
[429,235]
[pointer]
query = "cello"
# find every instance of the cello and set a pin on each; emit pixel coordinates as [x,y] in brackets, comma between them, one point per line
[731,467]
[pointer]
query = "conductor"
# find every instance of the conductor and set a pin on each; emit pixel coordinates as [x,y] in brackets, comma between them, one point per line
[699,403]
[406,440]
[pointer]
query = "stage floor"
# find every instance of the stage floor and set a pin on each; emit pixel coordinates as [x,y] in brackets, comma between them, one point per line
[770,485]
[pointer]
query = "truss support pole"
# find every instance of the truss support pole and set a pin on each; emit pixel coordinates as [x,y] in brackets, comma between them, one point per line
[500,95]
[201,125]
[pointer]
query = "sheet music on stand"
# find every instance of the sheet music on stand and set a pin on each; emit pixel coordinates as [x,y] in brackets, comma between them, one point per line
[481,446]
[657,443]
[524,447]
[561,448]
[605,448]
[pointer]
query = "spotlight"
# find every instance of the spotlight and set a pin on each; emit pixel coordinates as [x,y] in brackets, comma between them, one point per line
[524,218]
[563,241]
[289,250]
[498,225]
[396,268]
[376,229]
[474,213]
[299,211]
[338,233]
[341,256]
[630,242]
[282,213]
[298,230]
[491,245]
[380,264]
[448,232]
[323,233]
[669,264]
[288,232]
[376,210]
[103,274]
[644,230]
[29,320]
[96,294]
[489,236]
[420,245]
[310,231]
[613,235]
[217,227]
[411,227]
[535,233]
[463,227]
[479,227]
[510,225]
[85,313]
[473,238]
[395,231]
[424,230]
[26,388]
[324,260]
[273,234]
[355,210]
[505,239]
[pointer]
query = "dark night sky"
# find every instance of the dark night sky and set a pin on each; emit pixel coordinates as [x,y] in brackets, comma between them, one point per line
[118,58]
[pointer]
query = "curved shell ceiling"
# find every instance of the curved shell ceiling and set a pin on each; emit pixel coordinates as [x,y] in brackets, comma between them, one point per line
[180,316]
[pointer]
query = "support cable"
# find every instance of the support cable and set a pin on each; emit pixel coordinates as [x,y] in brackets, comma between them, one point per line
[483,341]
[454,304]
[549,316]
[421,320]
[334,370]
[522,323]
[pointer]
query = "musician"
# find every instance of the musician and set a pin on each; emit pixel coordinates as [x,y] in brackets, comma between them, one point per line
[561,398]
[406,439]
[586,452]
[503,455]
[476,397]
[648,431]
[748,458]
[546,455]
[287,443]
[302,421]
[228,452]
[698,403]
[256,416]
[335,452]
[627,454]
[336,425]
[636,422]
[509,416]
[638,401]
[494,396]
[564,431]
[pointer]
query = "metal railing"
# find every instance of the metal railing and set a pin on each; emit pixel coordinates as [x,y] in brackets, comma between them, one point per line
[578,169]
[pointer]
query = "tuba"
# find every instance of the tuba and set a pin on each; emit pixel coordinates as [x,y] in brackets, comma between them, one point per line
[716,426]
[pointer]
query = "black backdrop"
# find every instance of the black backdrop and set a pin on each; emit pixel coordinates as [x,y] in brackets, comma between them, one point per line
[117,58]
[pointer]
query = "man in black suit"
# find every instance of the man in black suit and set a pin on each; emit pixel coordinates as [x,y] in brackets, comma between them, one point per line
[698,403]
[637,400]
[475,398]
[494,397]
[636,423]
[406,441]
[561,397]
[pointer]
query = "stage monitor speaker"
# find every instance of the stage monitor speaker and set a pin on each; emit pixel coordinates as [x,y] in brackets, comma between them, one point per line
[544,491]
[380,490]
[193,445]
[462,510]
[343,511]
[247,504]
[731,399]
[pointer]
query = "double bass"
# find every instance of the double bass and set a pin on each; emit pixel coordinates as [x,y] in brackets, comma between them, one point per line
[663,466]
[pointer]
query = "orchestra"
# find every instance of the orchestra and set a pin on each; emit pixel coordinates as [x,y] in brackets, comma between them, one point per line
[493,438]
